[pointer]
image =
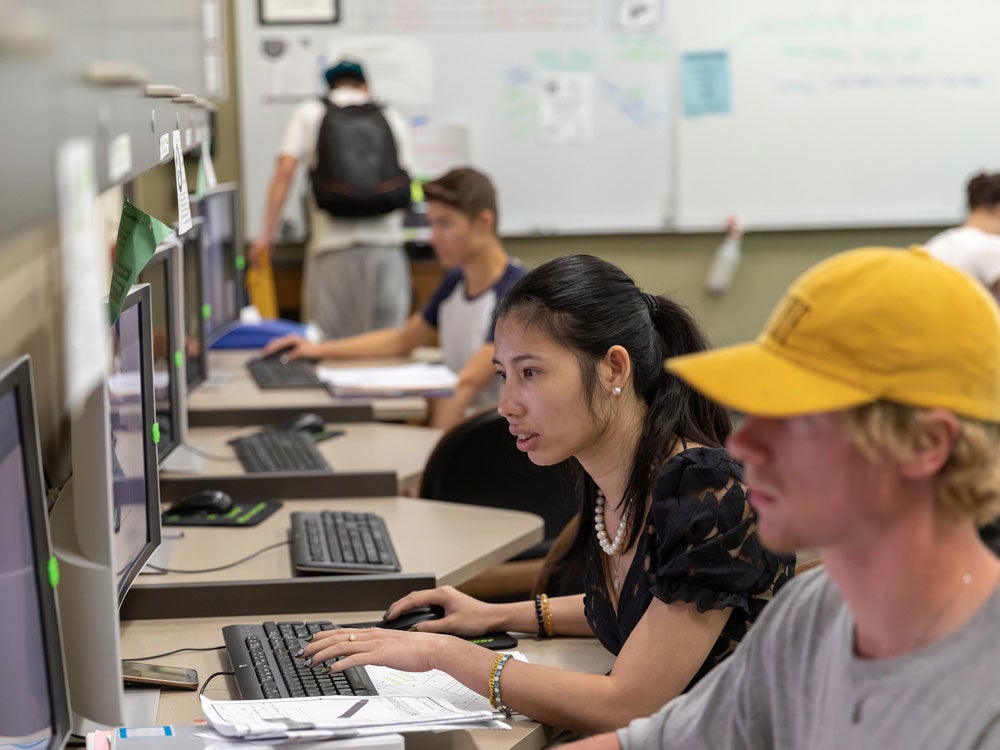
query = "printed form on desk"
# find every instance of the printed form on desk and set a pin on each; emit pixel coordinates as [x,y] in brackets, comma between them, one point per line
[333,717]
[418,379]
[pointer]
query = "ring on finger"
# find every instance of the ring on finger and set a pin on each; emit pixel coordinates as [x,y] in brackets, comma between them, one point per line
[352,637]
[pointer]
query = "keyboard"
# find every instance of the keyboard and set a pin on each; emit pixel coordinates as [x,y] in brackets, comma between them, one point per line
[279,450]
[340,542]
[273,373]
[263,658]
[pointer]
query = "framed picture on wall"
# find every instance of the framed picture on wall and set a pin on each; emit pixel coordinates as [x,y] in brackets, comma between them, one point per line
[298,11]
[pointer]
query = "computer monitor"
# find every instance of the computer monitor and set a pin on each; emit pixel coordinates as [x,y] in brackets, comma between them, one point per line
[218,206]
[106,521]
[163,274]
[195,312]
[34,712]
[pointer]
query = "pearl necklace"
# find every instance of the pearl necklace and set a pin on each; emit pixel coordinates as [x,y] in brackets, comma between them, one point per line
[609,548]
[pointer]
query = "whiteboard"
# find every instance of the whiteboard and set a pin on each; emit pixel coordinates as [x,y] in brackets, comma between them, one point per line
[565,103]
[833,113]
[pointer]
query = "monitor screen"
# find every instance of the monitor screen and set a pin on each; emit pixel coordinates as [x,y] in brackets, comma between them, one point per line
[128,447]
[222,284]
[158,273]
[35,715]
[194,310]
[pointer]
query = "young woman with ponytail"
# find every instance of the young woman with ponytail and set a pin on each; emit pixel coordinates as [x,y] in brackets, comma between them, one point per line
[674,573]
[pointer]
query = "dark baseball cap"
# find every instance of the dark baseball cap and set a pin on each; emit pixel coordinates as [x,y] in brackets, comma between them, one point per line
[344,69]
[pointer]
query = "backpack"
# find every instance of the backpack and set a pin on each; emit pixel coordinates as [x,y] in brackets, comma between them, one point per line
[357,170]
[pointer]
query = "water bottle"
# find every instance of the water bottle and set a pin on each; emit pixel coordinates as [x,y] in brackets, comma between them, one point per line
[726,259]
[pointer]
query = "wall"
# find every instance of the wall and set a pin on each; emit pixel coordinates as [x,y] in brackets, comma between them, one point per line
[670,263]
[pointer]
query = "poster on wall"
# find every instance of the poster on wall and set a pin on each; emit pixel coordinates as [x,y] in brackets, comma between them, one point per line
[298,11]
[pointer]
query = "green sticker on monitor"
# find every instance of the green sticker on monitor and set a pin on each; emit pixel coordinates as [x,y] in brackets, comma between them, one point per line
[53,571]
[206,311]
[156,433]
[179,359]
[241,262]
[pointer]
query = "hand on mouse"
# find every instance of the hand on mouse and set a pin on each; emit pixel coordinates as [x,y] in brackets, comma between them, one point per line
[463,614]
[297,347]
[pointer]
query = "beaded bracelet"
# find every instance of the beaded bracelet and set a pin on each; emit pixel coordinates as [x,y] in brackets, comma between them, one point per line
[539,616]
[547,617]
[495,700]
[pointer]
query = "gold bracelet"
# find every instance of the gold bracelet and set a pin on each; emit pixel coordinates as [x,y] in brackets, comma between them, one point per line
[493,680]
[547,617]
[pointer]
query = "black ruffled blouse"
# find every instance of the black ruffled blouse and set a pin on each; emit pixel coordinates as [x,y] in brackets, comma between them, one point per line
[700,545]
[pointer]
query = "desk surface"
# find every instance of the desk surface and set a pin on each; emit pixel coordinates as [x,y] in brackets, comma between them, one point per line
[143,637]
[364,447]
[455,542]
[231,388]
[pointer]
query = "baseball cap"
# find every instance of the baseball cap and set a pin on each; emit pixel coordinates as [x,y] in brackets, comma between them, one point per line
[344,69]
[861,326]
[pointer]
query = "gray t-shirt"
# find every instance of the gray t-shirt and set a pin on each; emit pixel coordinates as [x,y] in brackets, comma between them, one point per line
[795,682]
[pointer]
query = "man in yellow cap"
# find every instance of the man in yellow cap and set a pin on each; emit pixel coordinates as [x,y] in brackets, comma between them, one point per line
[872,403]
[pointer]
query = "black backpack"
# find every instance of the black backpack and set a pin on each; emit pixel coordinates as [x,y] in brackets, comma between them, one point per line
[357,169]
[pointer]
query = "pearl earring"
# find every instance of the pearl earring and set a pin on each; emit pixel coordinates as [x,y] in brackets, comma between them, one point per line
[616,391]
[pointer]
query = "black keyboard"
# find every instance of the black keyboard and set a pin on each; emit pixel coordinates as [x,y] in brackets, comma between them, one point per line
[279,450]
[273,373]
[263,658]
[339,542]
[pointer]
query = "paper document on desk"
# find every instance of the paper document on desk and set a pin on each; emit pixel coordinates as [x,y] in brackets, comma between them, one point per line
[431,684]
[418,379]
[332,717]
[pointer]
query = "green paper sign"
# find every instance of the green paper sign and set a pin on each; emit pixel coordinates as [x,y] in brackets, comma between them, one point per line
[138,235]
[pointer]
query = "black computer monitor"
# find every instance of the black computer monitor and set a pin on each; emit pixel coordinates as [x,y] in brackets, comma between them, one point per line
[162,273]
[131,410]
[34,711]
[223,284]
[195,311]
[106,520]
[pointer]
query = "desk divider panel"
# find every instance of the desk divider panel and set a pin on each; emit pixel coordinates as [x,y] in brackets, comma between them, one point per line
[279,485]
[250,415]
[255,598]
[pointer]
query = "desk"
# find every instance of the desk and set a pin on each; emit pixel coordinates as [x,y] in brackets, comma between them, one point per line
[156,636]
[231,397]
[480,537]
[366,448]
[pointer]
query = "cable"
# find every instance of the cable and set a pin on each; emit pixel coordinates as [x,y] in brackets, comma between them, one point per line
[222,567]
[171,653]
[212,677]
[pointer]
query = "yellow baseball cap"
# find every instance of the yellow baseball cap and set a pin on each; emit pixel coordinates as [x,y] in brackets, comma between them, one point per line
[864,325]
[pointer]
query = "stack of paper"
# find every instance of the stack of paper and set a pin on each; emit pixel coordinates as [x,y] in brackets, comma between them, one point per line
[418,379]
[333,717]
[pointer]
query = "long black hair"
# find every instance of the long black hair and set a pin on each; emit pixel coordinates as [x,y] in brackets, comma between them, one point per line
[588,305]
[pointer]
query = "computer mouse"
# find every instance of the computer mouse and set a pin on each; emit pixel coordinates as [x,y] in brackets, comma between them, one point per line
[208,501]
[305,422]
[411,617]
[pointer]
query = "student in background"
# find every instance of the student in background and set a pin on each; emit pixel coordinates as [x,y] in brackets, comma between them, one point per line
[462,212]
[873,434]
[974,247]
[673,571]
[356,275]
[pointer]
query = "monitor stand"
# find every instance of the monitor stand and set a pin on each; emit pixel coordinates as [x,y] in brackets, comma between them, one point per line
[140,706]
[185,459]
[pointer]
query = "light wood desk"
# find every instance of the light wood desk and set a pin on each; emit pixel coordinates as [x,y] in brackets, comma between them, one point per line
[140,638]
[231,397]
[452,542]
[365,447]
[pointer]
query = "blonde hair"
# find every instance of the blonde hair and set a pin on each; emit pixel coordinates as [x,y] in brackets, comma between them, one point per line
[969,481]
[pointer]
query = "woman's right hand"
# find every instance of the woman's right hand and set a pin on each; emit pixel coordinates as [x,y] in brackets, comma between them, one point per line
[463,614]
[296,345]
